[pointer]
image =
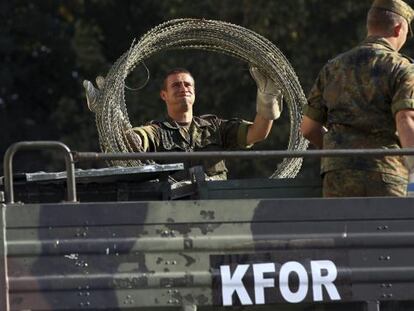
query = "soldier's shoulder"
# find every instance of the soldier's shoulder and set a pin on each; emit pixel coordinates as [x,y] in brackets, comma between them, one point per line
[407,58]
[344,57]
[337,58]
[208,117]
[150,126]
[207,120]
[156,123]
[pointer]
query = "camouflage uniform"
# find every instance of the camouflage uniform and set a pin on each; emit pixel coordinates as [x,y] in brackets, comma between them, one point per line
[356,96]
[205,133]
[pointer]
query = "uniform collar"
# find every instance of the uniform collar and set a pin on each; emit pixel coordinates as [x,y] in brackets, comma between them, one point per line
[170,123]
[198,122]
[371,40]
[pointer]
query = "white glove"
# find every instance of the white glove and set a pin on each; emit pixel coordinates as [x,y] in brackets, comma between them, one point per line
[92,93]
[269,100]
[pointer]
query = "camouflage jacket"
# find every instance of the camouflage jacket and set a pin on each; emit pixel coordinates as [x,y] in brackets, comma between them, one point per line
[205,133]
[356,96]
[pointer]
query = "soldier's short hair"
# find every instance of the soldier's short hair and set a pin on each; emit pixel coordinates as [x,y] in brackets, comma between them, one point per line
[383,20]
[174,72]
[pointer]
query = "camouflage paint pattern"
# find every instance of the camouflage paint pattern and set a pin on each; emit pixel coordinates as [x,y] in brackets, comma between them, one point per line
[358,183]
[356,96]
[206,133]
[157,255]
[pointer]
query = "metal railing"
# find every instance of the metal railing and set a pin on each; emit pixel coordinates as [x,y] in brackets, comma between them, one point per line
[72,157]
[225,155]
[38,145]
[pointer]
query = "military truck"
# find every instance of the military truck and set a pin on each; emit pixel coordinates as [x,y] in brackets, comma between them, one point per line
[129,239]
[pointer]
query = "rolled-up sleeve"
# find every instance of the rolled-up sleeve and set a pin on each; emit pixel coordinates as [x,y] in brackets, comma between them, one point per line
[149,137]
[315,109]
[234,133]
[404,89]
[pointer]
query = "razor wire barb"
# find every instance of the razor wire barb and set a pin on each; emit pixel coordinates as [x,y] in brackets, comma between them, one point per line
[209,35]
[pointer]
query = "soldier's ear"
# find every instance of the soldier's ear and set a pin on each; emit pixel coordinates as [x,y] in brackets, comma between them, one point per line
[162,95]
[397,30]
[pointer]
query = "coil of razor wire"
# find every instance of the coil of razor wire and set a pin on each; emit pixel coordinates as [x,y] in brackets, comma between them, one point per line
[209,35]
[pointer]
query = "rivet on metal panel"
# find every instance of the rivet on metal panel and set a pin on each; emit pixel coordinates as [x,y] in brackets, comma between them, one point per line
[387,296]
[382,228]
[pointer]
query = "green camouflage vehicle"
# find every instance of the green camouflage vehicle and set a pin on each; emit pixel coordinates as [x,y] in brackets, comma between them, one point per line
[128,239]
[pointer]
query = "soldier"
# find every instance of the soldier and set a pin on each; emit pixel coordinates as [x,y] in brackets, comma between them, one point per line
[361,99]
[181,131]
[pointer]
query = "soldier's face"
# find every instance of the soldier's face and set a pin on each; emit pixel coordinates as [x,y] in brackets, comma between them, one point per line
[179,93]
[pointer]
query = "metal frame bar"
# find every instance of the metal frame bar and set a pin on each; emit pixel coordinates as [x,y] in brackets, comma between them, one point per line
[172,156]
[84,156]
[372,306]
[4,283]
[38,145]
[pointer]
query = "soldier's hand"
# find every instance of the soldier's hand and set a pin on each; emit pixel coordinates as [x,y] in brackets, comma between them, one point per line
[92,93]
[134,141]
[269,99]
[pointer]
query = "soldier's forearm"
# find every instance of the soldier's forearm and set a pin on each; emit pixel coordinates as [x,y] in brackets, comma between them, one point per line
[259,130]
[313,131]
[405,127]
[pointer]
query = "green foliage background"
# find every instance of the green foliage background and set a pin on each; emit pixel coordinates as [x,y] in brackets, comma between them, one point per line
[48,47]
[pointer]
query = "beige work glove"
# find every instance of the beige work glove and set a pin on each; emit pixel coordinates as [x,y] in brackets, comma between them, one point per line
[92,93]
[269,99]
